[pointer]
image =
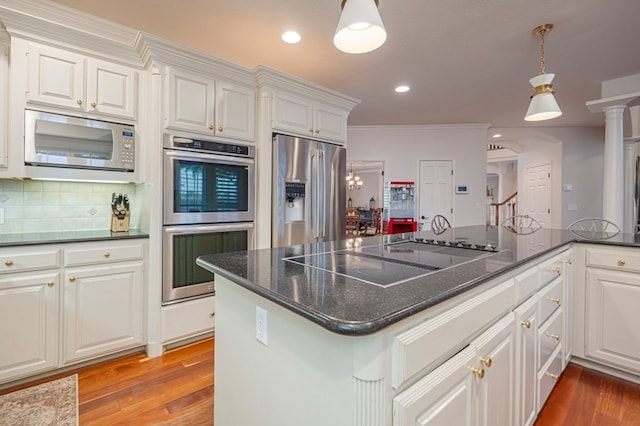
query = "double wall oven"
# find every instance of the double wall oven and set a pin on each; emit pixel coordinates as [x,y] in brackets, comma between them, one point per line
[208,208]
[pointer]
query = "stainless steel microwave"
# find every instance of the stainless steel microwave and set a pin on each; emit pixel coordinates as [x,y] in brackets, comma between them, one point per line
[62,141]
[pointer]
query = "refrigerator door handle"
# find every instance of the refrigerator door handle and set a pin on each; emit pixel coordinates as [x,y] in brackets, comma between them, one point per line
[321,194]
[314,196]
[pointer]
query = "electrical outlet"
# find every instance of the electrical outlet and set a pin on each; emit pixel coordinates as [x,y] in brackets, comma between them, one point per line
[261,325]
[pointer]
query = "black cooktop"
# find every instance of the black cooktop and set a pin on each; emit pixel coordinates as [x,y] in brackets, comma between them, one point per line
[390,264]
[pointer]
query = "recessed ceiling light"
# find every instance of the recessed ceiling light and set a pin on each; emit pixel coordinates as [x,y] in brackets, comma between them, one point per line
[402,89]
[497,135]
[291,37]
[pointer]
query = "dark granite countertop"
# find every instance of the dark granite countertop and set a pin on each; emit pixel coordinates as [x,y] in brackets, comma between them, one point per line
[32,238]
[348,306]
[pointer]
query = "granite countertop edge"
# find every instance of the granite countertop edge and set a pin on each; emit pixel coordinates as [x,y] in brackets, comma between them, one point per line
[34,238]
[362,328]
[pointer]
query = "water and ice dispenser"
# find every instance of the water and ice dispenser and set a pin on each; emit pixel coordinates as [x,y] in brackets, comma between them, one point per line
[295,195]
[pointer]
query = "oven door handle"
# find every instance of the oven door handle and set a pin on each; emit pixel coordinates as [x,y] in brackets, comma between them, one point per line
[190,155]
[190,229]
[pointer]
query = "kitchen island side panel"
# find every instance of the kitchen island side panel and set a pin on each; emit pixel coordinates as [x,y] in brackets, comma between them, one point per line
[304,368]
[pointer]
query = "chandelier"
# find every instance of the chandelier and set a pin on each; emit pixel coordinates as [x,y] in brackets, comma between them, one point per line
[353,182]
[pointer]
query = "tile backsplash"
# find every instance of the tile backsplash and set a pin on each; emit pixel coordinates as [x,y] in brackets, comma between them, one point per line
[40,206]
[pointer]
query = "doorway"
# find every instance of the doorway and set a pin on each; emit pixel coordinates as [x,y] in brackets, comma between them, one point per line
[436,191]
[537,199]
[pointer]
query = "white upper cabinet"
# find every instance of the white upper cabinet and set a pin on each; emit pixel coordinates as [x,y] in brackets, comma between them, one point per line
[60,78]
[202,105]
[4,103]
[307,118]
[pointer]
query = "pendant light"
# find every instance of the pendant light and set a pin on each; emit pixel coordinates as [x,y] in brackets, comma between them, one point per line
[543,104]
[360,28]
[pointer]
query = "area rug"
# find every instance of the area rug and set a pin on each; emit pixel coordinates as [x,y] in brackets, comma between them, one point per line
[51,403]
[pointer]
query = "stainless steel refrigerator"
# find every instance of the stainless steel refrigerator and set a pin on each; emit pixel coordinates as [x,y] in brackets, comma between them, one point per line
[309,191]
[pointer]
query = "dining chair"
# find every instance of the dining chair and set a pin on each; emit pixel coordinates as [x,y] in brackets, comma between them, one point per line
[521,224]
[353,221]
[375,226]
[439,224]
[593,228]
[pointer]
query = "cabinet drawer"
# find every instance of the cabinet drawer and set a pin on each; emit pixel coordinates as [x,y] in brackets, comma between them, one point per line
[102,254]
[623,260]
[550,299]
[29,261]
[550,270]
[549,337]
[436,338]
[526,284]
[549,376]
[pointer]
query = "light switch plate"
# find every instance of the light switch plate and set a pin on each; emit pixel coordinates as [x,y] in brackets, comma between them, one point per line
[261,326]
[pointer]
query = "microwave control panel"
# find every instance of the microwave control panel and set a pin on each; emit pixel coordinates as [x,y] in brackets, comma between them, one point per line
[127,146]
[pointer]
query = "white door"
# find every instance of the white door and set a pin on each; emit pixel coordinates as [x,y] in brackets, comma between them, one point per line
[235,111]
[537,198]
[436,191]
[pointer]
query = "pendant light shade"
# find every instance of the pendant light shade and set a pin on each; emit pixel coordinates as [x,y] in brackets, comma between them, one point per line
[360,28]
[543,104]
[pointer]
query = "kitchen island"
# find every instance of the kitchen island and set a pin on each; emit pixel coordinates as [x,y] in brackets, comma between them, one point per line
[311,335]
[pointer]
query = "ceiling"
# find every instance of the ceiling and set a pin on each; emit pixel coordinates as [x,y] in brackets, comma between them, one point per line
[467,61]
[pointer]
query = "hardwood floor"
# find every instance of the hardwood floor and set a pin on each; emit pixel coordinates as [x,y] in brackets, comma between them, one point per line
[585,397]
[174,389]
[177,389]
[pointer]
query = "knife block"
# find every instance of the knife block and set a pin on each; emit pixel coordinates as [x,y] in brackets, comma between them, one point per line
[120,223]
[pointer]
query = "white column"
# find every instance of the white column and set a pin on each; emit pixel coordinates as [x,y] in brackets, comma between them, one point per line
[613,188]
[629,187]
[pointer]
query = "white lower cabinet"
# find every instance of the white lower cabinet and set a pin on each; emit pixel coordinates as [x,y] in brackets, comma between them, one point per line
[102,310]
[67,303]
[473,387]
[28,323]
[526,365]
[613,304]
[496,360]
[446,396]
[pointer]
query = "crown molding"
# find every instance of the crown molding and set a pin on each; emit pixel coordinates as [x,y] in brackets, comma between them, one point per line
[152,48]
[57,25]
[267,77]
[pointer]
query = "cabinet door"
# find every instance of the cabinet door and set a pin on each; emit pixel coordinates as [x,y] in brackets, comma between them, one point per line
[190,103]
[111,89]
[235,111]
[496,356]
[526,365]
[28,324]
[293,114]
[613,303]
[56,77]
[103,310]
[330,123]
[446,396]
[567,346]
[4,103]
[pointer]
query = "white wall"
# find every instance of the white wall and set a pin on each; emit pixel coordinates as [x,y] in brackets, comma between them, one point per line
[403,147]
